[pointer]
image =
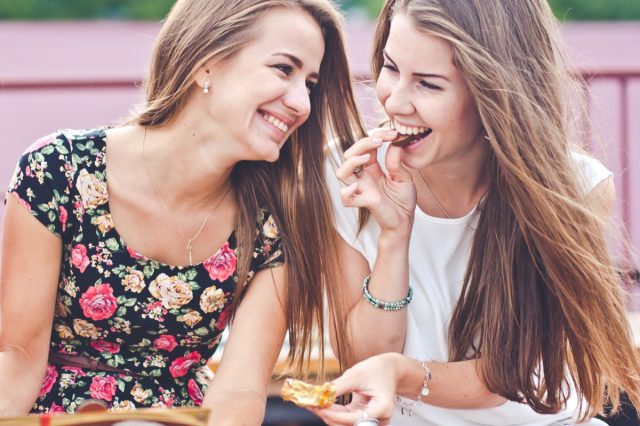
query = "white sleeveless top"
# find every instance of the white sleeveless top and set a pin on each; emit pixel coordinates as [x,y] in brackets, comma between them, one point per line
[438,256]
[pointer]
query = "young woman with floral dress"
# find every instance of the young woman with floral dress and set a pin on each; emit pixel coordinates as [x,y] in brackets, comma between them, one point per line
[481,290]
[127,250]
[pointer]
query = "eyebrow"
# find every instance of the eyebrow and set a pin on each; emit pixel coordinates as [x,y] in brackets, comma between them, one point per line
[298,63]
[417,74]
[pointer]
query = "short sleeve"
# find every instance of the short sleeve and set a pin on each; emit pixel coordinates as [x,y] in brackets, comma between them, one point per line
[268,248]
[40,183]
[590,171]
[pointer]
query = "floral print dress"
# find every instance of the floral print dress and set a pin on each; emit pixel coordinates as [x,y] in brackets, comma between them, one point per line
[158,321]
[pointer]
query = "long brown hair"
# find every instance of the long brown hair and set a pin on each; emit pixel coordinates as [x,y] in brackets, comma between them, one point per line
[541,302]
[293,188]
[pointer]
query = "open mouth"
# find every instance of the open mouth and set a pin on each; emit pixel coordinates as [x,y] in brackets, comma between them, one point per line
[404,140]
[283,127]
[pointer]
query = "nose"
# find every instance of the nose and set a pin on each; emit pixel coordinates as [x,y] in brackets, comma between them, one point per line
[398,101]
[297,100]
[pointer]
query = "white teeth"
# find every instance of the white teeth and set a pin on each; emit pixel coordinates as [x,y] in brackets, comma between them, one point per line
[405,130]
[279,124]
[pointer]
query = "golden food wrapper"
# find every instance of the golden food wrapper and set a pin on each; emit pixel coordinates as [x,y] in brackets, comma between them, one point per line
[307,395]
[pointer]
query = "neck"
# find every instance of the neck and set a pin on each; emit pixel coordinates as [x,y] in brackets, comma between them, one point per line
[457,185]
[186,164]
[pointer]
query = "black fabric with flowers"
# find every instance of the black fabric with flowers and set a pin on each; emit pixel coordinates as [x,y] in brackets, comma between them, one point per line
[116,306]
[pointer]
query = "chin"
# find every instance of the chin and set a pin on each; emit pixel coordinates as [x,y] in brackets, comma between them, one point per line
[271,157]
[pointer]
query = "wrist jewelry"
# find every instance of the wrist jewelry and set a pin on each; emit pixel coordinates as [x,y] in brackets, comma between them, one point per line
[381,304]
[406,408]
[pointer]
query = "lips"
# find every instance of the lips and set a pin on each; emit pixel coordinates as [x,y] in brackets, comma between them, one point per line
[404,140]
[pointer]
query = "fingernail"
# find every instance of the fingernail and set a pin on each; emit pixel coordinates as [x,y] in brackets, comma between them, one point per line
[376,141]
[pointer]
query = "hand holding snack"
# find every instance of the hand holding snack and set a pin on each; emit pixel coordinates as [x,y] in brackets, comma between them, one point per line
[307,395]
[388,193]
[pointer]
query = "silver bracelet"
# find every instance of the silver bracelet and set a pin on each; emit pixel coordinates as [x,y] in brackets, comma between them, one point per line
[406,408]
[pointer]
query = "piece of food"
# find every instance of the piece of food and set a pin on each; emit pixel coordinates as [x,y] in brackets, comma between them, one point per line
[307,395]
[404,140]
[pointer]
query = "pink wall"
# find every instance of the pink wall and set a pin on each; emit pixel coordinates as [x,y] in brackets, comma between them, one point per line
[84,74]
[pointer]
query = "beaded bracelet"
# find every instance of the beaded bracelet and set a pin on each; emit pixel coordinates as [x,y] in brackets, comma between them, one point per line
[381,304]
[407,407]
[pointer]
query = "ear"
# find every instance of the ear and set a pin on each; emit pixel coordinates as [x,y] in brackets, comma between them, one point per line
[202,77]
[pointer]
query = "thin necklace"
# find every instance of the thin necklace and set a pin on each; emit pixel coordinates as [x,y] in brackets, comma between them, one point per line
[166,205]
[433,197]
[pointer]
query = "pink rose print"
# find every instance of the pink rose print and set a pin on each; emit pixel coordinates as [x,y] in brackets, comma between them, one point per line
[78,209]
[64,216]
[55,408]
[98,302]
[194,392]
[77,370]
[165,342]
[134,254]
[49,379]
[180,366]
[21,201]
[222,264]
[79,257]
[223,319]
[104,346]
[103,388]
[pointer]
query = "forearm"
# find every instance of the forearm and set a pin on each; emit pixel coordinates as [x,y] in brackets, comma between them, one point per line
[235,406]
[455,385]
[20,382]
[375,330]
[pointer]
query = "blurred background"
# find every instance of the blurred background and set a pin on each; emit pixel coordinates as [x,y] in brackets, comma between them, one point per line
[80,64]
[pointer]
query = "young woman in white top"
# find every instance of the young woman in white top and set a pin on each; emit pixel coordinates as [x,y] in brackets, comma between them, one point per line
[483,238]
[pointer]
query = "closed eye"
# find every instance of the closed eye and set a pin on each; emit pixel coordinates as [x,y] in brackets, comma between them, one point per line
[428,85]
[311,85]
[390,67]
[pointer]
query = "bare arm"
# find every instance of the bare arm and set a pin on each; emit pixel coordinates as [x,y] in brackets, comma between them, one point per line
[378,379]
[374,330]
[390,197]
[31,256]
[238,393]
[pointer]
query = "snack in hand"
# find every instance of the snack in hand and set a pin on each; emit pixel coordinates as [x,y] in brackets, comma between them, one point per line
[307,395]
[404,140]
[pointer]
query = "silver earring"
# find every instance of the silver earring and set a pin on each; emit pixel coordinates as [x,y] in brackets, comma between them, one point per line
[206,87]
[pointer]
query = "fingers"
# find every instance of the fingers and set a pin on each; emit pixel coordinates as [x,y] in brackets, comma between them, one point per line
[351,196]
[350,170]
[393,162]
[347,171]
[347,416]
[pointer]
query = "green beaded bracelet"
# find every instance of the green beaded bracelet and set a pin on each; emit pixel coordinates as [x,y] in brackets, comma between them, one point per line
[381,304]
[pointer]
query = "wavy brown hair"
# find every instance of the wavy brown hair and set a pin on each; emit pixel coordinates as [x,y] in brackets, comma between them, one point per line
[541,303]
[293,188]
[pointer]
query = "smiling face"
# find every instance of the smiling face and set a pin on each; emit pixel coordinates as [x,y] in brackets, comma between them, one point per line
[259,96]
[424,93]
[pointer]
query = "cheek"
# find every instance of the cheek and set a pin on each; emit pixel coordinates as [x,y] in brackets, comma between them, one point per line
[470,117]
